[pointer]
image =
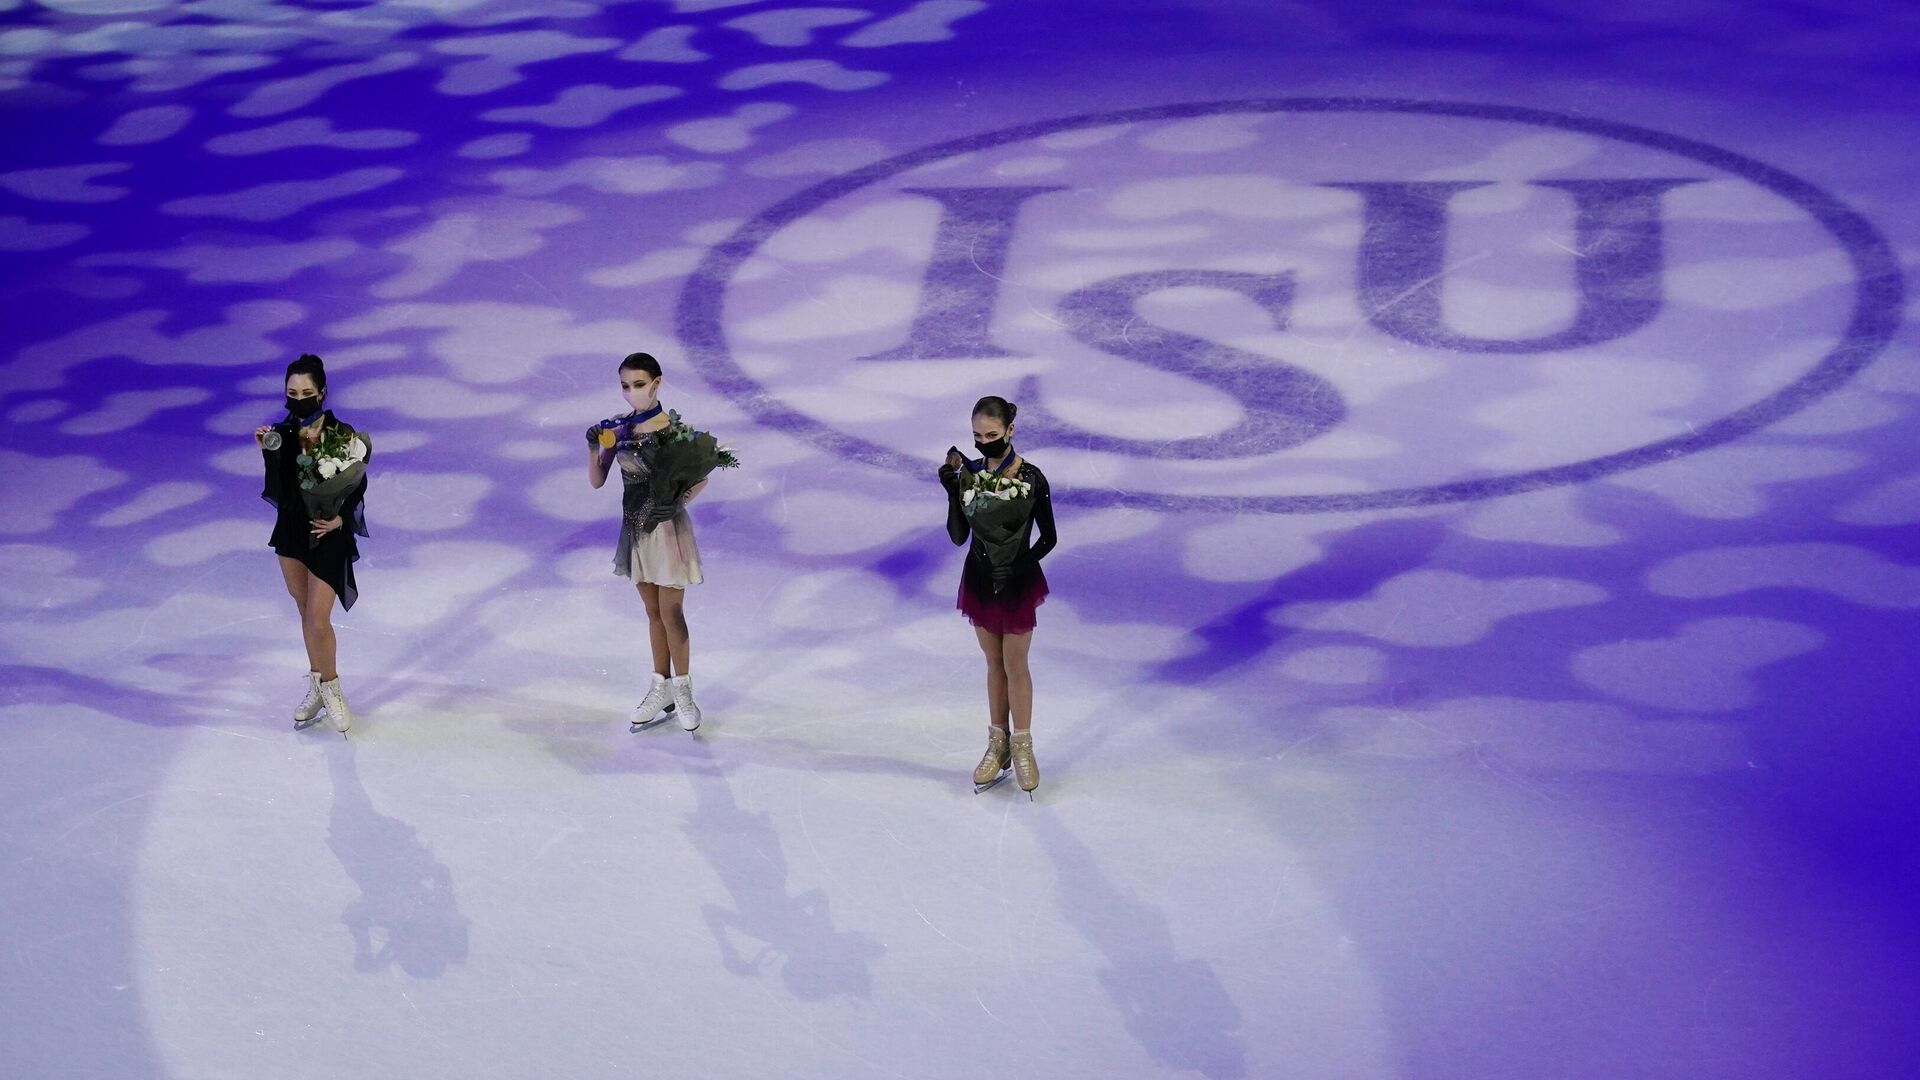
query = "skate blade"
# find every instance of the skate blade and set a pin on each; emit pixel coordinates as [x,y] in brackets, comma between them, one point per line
[642,725]
[995,782]
[302,725]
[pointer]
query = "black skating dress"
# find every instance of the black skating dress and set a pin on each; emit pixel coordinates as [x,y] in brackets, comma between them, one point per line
[332,559]
[1010,609]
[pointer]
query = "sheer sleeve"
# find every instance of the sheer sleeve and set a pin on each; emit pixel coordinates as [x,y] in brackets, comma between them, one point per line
[270,489]
[957,530]
[1043,517]
[278,465]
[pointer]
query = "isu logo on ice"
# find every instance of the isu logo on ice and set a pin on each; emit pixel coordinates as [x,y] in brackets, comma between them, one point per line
[1298,305]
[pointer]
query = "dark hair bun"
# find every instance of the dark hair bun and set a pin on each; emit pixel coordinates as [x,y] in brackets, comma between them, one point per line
[641,362]
[997,407]
[310,366]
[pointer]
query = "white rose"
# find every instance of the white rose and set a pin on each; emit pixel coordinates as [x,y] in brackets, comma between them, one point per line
[356,450]
[327,468]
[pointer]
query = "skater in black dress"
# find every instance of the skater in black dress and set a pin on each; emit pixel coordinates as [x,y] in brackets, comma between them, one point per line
[316,555]
[1001,583]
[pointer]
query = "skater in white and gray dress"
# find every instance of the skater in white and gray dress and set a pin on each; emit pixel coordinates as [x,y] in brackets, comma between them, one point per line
[656,547]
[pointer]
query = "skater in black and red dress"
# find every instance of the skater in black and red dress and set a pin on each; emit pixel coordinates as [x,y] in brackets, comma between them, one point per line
[316,555]
[997,502]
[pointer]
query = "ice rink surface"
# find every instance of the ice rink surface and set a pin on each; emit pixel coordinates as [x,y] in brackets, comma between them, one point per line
[1482,633]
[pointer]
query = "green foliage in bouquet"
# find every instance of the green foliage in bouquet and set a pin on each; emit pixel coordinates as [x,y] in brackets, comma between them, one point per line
[679,431]
[685,457]
[338,451]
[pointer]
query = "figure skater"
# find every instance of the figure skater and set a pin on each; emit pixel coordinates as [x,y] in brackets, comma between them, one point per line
[316,554]
[663,560]
[997,501]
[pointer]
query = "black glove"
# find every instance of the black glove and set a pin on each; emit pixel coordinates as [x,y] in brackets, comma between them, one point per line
[1001,576]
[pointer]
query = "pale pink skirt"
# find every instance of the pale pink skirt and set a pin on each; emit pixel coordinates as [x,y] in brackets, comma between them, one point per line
[668,556]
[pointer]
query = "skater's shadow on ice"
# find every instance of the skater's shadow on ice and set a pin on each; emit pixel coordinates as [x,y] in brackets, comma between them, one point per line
[1354,566]
[454,636]
[816,961]
[1176,1009]
[595,741]
[53,686]
[406,895]
[598,742]
[792,754]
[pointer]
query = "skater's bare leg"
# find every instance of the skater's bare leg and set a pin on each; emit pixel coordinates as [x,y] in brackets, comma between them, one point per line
[673,618]
[299,583]
[1019,680]
[1013,653]
[656,629]
[317,619]
[991,646]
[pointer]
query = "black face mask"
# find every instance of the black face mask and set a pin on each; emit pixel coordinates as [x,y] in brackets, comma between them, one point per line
[302,408]
[994,449]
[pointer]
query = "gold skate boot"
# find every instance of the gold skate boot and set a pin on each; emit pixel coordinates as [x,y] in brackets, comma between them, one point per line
[993,765]
[1025,769]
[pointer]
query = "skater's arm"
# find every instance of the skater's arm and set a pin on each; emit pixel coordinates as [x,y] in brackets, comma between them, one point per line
[950,480]
[692,491]
[1043,517]
[598,462]
[272,490]
[956,518]
[957,530]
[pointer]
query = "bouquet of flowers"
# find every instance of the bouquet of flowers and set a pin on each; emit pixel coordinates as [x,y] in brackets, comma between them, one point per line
[330,471]
[683,457]
[985,485]
[997,509]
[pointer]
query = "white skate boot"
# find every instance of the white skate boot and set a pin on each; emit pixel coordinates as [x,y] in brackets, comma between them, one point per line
[689,713]
[655,707]
[335,704]
[308,710]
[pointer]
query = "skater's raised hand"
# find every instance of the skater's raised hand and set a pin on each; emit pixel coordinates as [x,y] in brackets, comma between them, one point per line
[950,469]
[260,434]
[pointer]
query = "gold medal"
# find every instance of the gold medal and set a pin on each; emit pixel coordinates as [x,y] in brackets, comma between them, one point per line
[607,438]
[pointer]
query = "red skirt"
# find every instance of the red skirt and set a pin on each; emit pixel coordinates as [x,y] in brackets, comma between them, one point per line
[1010,611]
